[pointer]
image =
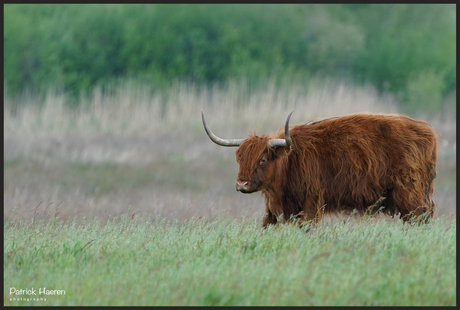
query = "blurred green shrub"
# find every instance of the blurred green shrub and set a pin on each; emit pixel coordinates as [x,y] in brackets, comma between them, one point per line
[425,90]
[76,47]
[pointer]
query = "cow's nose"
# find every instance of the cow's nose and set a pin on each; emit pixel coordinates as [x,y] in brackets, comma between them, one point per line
[241,186]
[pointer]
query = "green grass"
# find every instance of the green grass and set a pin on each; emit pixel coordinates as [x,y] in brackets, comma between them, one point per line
[232,262]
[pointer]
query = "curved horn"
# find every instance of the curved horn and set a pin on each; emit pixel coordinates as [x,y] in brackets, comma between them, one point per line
[287,141]
[216,139]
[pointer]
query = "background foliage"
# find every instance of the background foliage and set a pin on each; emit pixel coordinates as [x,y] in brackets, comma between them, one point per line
[406,49]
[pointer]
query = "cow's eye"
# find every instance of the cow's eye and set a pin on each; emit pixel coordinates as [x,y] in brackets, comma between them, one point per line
[263,162]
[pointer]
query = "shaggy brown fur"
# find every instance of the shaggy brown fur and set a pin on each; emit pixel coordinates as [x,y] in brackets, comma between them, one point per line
[360,161]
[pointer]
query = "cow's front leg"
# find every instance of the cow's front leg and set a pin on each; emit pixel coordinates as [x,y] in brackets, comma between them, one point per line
[269,219]
[313,211]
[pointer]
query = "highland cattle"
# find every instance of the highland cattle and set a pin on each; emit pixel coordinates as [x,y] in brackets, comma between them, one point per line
[364,162]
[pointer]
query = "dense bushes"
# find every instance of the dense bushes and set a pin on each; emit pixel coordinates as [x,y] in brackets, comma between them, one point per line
[407,49]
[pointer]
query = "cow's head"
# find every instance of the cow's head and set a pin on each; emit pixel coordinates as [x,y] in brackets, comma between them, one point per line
[257,157]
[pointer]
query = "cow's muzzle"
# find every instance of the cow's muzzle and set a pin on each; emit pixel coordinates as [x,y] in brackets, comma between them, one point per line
[244,187]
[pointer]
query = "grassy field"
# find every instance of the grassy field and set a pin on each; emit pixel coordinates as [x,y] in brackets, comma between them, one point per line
[126,201]
[133,261]
[150,152]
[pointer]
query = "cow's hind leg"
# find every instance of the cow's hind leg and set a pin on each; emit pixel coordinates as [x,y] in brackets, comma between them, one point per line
[411,202]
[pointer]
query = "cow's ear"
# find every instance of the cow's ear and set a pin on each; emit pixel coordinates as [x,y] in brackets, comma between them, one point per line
[281,151]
